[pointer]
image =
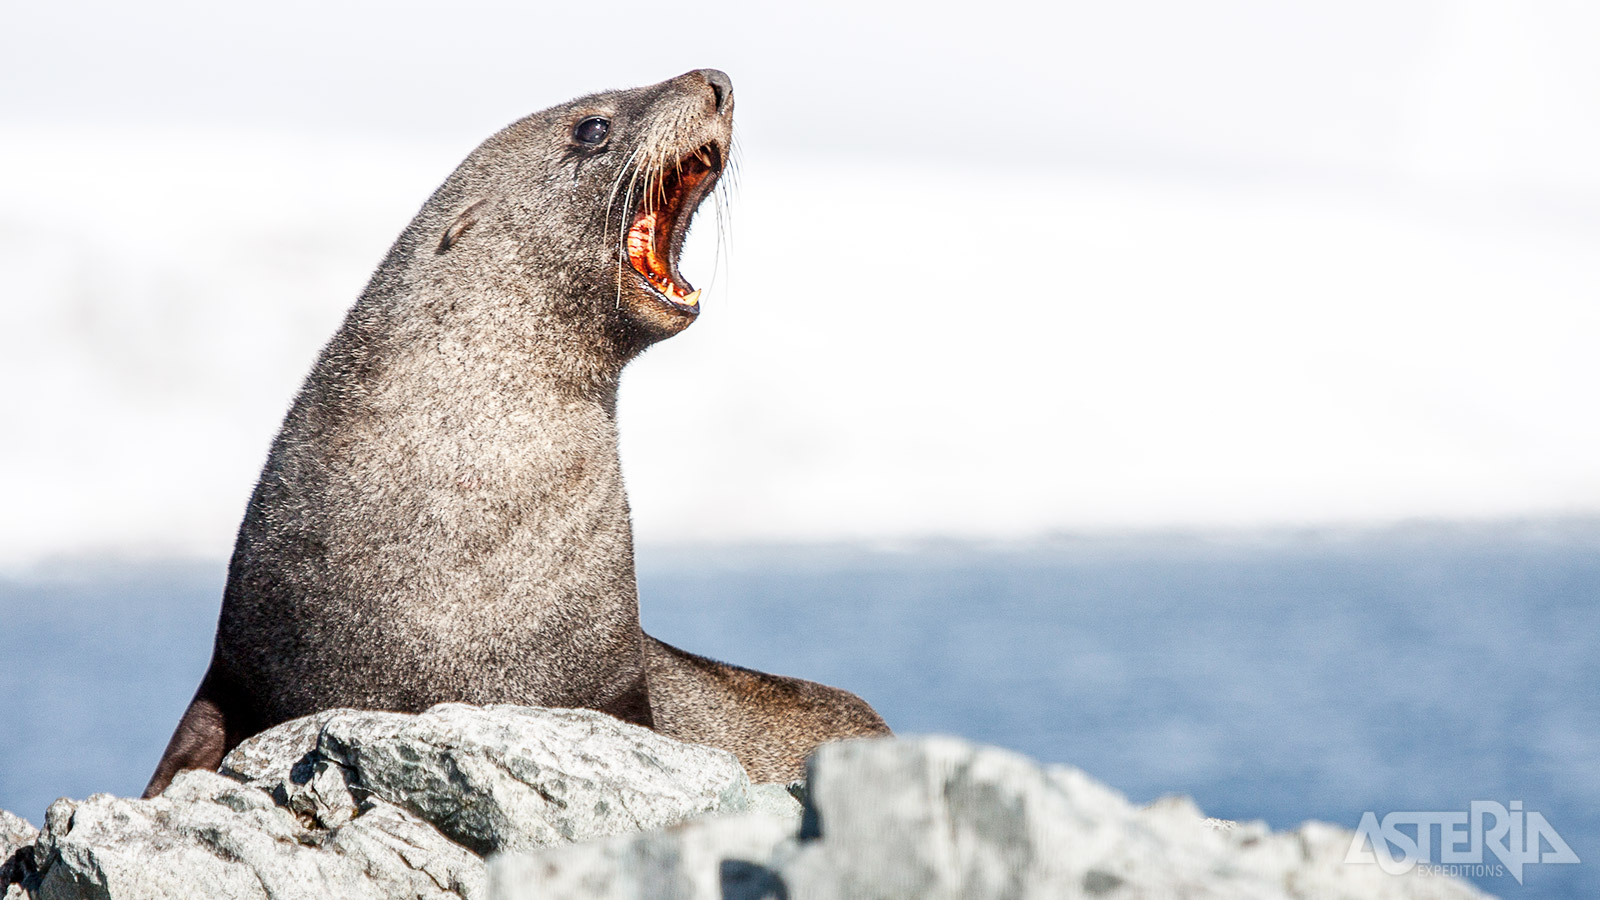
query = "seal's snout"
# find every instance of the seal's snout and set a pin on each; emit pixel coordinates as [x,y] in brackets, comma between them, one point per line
[721,89]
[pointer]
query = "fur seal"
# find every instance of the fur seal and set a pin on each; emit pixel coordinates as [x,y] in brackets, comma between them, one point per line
[442,515]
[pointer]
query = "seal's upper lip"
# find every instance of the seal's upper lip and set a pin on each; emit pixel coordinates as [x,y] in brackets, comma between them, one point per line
[659,224]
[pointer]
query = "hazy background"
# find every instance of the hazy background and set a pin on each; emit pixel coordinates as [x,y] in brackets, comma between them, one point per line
[997,272]
[994,271]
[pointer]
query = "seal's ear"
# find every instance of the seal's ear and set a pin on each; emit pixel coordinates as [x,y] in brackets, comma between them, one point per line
[467,219]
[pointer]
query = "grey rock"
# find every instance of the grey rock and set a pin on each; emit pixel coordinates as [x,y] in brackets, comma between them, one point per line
[778,801]
[15,832]
[320,792]
[368,804]
[721,857]
[384,805]
[16,855]
[942,818]
[210,836]
[1310,862]
[407,857]
[948,819]
[509,777]
[497,777]
[236,845]
[272,754]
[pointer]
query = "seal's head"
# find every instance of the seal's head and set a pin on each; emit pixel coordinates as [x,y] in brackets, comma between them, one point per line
[581,210]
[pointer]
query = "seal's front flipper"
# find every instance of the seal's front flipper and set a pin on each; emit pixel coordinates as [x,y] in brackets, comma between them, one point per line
[200,741]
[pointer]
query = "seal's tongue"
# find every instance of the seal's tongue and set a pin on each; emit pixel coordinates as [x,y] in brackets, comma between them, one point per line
[645,251]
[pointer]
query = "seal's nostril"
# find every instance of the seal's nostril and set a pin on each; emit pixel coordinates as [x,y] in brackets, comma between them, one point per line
[721,86]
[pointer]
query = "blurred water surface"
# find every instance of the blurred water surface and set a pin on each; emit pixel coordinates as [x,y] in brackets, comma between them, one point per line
[1283,676]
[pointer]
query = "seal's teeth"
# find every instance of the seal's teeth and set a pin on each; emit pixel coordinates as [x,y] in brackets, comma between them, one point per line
[691,300]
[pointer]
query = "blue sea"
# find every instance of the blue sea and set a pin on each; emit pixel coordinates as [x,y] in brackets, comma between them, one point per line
[1281,676]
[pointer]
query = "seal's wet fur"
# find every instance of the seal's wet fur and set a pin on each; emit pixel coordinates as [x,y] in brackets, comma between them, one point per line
[442,516]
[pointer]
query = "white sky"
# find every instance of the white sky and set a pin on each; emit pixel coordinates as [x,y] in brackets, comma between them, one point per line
[1110,265]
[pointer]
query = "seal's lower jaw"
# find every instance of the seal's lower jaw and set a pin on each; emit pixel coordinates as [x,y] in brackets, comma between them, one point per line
[659,225]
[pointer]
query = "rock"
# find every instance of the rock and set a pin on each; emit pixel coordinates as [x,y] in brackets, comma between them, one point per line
[946,819]
[407,856]
[977,822]
[722,857]
[575,804]
[210,836]
[778,801]
[15,832]
[319,792]
[508,777]
[941,818]
[497,777]
[270,755]
[16,854]
[370,804]
[1310,862]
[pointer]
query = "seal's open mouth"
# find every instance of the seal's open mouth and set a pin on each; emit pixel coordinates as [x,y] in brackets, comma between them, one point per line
[661,222]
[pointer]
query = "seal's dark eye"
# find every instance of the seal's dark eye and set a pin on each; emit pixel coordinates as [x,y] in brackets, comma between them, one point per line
[591,130]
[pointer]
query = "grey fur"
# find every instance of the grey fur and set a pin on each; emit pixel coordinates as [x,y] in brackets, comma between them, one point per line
[442,516]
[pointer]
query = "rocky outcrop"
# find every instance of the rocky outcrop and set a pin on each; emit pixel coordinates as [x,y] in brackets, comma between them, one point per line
[940,818]
[575,804]
[210,836]
[16,854]
[368,804]
[499,777]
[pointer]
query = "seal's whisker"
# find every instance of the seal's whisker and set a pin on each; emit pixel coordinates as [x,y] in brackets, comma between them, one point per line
[622,241]
[726,186]
[724,254]
[616,184]
[626,224]
[658,180]
[611,207]
[735,160]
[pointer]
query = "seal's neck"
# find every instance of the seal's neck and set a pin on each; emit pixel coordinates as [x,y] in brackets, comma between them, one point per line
[503,332]
[493,415]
